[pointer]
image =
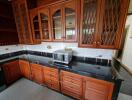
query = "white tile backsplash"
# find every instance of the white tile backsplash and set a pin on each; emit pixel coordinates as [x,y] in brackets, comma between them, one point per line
[10,48]
[43,47]
[85,52]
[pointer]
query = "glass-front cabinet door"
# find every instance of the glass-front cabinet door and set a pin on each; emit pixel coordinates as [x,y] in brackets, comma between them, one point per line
[89,22]
[45,24]
[70,24]
[35,26]
[56,23]
[57,26]
[70,18]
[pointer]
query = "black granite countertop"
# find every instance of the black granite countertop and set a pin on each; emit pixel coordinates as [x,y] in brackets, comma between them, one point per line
[82,68]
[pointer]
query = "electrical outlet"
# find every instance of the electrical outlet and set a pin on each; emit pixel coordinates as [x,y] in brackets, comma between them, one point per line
[49,47]
[6,48]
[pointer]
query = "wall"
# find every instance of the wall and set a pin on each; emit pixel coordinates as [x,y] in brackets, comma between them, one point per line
[85,52]
[10,48]
[127,52]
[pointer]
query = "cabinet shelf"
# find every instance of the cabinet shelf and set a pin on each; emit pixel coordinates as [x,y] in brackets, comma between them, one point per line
[57,28]
[72,14]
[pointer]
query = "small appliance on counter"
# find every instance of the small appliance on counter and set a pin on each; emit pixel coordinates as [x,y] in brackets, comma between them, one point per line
[63,56]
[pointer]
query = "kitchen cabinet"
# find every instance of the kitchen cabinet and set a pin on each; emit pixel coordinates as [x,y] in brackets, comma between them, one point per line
[8,32]
[12,71]
[25,69]
[34,18]
[64,21]
[71,84]
[51,78]
[95,89]
[102,23]
[37,73]
[22,21]
[44,20]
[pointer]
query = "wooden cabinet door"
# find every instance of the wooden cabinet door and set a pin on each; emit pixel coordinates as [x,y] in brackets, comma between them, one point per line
[51,78]
[71,84]
[90,10]
[70,20]
[11,71]
[17,15]
[22,21]
[97,89]
[34,17]
[25,68]
[45,26]
[37,74]
[56,14]
[112,23]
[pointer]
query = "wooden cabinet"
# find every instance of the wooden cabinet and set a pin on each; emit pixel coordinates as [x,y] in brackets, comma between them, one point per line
[95,89]
[64,21]
[12,71]
[51,78]
[25,69]
[34,18]
[8,32]
[22,21]
[37,73]
[71,84]
[44,19]
[102,23]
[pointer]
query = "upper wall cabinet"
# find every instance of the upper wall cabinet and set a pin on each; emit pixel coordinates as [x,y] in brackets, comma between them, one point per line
[45,23]
[22,21]
[102,23]
[64,21]
[57,22]
[40,21]
[34,18]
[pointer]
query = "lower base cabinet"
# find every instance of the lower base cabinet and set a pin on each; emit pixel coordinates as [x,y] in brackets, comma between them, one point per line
[12,71]
[97,89]
[25,69]
[51,77]
[37,73]
[74,85]
[71,84]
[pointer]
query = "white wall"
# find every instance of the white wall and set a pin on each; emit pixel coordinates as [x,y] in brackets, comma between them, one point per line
[127,53]
[10,48]
[85,52]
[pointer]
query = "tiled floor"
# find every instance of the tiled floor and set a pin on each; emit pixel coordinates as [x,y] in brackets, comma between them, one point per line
[27,90]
